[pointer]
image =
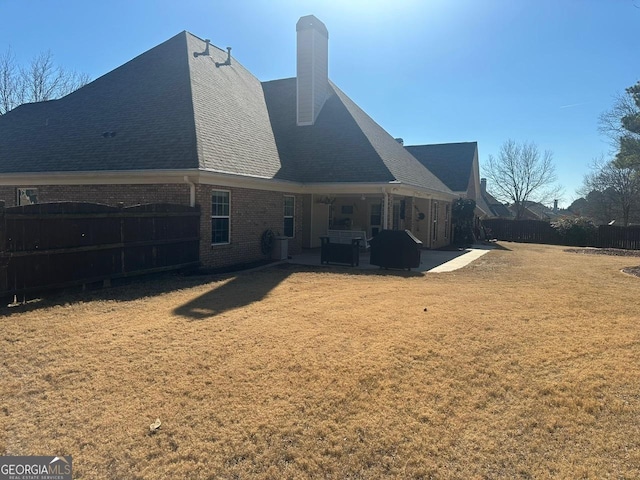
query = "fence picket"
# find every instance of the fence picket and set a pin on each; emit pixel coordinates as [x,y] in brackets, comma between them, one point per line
[52,245]
[539,231]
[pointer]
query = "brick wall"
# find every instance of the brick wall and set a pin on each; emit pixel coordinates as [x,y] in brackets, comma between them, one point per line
[108,194]
[252,212]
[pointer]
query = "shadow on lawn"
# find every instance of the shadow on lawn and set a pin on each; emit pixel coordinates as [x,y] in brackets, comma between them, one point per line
[241,290]
[238,289]
[249,287]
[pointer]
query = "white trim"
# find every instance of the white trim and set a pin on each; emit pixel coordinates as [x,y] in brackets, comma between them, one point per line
[112,177]
[435,214]
[385,210]
[220,216]
[209,177]
[293,217]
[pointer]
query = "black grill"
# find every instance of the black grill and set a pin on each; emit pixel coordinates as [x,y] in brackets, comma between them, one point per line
[395,249]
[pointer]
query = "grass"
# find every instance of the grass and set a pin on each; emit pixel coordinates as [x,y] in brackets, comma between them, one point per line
[524,365]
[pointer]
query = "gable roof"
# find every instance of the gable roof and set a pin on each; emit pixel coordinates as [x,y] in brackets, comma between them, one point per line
[344,144]
[537,210]
[450,162]
[496,207]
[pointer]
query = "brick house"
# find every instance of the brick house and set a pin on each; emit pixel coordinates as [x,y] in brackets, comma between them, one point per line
[186,123]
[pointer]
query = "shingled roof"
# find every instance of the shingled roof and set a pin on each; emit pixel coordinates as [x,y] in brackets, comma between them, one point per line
[139,116]
[175,107]
[450,162]
[165,109]
[344,144]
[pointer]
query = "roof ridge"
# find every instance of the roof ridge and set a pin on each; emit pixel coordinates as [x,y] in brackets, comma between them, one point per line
[444,143]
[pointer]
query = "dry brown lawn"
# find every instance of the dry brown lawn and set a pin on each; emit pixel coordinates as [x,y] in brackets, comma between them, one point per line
[525,364]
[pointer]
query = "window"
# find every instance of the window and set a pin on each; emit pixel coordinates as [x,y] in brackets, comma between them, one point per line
[220,217]
[434,220]
[375,219]
[289,213]
[346,209]
[26,196]
[447,215]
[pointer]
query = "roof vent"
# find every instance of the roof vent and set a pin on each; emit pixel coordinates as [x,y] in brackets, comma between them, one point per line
[228,61]
[206,49]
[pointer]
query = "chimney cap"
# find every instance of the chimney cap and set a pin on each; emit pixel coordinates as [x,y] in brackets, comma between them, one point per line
[310,22]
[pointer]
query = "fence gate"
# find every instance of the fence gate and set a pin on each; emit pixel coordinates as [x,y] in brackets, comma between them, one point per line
[53,245]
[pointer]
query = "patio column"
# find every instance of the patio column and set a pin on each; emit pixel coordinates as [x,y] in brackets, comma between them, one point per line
[385,210]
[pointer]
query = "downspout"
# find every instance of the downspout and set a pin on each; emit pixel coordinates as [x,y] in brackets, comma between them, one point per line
[192,191]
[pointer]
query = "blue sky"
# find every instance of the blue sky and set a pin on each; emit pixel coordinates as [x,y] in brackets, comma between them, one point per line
[429,71]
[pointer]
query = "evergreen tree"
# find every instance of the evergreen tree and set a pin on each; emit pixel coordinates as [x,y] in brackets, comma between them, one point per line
[629,147]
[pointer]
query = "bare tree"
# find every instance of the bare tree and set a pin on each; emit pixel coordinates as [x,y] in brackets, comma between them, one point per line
[41,80]
[618,186]
[9,82]
[610,122]
[521,174]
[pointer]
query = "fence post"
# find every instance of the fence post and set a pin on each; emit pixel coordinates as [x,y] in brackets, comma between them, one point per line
[4,259]
[120,206]
[3,228]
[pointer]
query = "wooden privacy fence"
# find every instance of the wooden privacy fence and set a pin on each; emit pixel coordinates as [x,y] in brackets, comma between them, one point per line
[525,231]
[611,236]
[55,245]
[540,231]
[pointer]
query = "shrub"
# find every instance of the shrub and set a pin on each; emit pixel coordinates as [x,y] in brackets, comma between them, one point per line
[576,231]
[462,216]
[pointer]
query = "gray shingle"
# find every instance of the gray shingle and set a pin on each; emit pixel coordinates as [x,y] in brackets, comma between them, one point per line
[171,109]
[145,102]
[168,109]
[344,145]
[232,123]
[450,162]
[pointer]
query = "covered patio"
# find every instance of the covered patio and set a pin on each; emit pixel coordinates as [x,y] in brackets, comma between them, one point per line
[431,261]
[371,209]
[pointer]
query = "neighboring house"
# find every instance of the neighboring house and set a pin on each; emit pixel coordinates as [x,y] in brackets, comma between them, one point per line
[498,209]
[186,123]
[456,164]
[532,210]
[538,211]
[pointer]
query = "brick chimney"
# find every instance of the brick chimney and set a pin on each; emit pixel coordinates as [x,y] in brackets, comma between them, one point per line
[312,68]
[483,185]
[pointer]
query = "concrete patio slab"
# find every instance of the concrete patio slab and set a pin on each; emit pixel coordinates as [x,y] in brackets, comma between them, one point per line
[431,261]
